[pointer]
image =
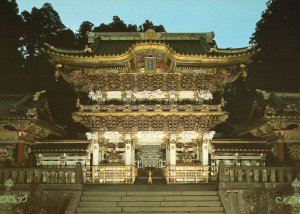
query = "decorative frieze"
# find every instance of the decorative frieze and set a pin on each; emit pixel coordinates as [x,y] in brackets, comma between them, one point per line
[150,121]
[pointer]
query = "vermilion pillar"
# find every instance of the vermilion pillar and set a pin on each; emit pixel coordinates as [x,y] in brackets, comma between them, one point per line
[20,149]
[280,147]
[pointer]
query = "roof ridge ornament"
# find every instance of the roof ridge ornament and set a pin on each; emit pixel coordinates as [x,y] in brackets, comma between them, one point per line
[150,34]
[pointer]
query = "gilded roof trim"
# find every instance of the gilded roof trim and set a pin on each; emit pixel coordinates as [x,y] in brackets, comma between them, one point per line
[70,58]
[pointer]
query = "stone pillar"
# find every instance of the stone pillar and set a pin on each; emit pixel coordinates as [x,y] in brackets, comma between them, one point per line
[207,137]
[128,150]
[280,146]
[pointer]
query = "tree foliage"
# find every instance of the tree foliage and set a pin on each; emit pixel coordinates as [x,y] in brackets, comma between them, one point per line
[149,25]
[45,26]
[82,38]
[11,30]
[276,64]
[118,25]
[23,65]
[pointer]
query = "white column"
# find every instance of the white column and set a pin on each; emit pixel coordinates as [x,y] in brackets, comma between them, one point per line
[94,136]
[167,153]
[133,153]
[128,150]
[205,156]
[207,137]
[95,146]
[101,152]
[172,148]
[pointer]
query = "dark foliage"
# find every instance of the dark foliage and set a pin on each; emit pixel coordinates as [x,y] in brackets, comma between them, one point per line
[276,64]
[11,59]
[242,103]
[118,25]
[24,67]
[82,38]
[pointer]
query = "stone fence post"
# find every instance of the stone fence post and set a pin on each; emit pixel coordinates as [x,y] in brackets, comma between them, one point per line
[78,173]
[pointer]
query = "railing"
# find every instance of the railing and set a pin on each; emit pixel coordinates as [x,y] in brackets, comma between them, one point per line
[254,175]
[190,174]
[110,174]
[42,175]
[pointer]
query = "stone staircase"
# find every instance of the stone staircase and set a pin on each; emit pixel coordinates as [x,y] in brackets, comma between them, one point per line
[150,201]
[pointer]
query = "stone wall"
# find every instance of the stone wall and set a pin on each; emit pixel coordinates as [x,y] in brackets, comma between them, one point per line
[254,201]
[44,202]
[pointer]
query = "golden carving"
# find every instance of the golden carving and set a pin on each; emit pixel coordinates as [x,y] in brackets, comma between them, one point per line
[150,34]
[294,151]
[150,121]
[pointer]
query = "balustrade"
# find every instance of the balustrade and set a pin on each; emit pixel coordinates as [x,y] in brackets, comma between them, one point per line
[110,174]
[42,175]
[190,174]
[255,174]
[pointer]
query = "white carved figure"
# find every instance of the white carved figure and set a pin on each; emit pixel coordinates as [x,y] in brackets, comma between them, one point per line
[149,94]
[92,135]
[112,136]
[95,95]
[208,135]
[205,94]
[150,135]
[189,135]
[172,137]
[172,95]
[127,136]
[32,113]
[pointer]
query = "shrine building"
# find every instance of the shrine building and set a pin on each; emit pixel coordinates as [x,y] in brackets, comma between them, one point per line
[151,101]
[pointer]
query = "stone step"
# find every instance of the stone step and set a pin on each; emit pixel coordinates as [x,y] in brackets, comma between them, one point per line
[99,209]
[204,212]
[149,209]
[100,198]
[150,198]
[191,198]
[152,203]
[105,193]
[190,203]
[172,209]
[98,204]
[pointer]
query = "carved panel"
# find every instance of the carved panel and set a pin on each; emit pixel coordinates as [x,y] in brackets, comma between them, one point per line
[150,123]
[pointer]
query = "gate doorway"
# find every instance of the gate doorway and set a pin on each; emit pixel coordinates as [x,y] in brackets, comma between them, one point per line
[155,172]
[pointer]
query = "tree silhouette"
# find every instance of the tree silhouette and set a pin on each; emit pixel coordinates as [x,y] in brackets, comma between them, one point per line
[82,38]
[149,25]
[118,25]
[276,63]
[11,59]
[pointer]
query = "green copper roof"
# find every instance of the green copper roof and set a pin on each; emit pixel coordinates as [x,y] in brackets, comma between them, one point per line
[60,147]
[15,106]
[242,147]
[108,44]
[27,107]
